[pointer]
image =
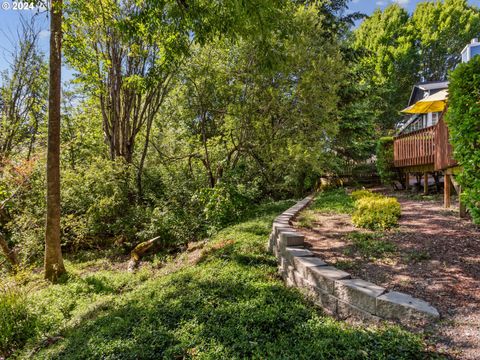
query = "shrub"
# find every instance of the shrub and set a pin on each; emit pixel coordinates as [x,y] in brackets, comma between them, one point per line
[360,194]
[100,205]
[384,152]
[102,194]
[17,323]
[463,119]
[222,205]
[376,212]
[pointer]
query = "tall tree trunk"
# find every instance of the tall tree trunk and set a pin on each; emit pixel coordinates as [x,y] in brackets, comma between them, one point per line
[142,159]
[53,253]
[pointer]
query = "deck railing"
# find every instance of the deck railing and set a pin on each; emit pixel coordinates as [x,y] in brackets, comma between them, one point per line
[415,148]
[443,149]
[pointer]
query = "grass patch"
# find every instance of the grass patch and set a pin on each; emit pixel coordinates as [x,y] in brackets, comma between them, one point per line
[335,201]
[417,256]
[345,264]
[306,219]
[17,323]
[230,305]
[371,245]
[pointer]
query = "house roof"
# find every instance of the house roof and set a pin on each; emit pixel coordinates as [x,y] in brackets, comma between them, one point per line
[429,87]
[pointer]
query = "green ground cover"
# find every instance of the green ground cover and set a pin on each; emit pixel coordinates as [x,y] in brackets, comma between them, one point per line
[334,201]
[230,304]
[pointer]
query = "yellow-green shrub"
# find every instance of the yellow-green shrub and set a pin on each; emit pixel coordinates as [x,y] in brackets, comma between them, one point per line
[360,194]
[376,212]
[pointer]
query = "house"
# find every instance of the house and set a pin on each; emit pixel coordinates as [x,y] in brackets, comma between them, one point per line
[471,50]
[421,121]
[421,145]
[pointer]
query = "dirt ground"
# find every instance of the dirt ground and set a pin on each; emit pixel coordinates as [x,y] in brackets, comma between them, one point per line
[437,260]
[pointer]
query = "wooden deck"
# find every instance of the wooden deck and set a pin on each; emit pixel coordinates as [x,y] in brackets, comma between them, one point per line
[427,148]
[415,148]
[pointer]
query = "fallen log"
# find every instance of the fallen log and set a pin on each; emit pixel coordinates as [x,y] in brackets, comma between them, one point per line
[140,250]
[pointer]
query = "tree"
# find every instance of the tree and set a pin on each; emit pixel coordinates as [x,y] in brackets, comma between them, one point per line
[442,29]
[463,119]
[23,96]
[390,65]
[22,112]
[259,109]
[53,252]
[385,167]
[124,64]
[128,52]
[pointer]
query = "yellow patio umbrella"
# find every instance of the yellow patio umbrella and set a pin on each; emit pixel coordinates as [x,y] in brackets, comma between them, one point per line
[432,103]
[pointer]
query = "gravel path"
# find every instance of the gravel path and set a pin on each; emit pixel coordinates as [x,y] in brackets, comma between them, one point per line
[438,260]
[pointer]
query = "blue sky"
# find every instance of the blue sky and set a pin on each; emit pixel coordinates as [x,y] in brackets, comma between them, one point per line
[10,19]
[9,23]
[368,6]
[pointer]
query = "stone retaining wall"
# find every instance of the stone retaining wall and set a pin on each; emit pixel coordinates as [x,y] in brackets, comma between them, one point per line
[336,291]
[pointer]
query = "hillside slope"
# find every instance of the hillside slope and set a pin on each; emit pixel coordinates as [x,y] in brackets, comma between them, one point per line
[228,303]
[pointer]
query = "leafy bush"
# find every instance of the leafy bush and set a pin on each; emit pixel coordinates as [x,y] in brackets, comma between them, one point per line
[384,152]
[360,194]
[17,323]
[463,119]
[22,192]
[102,194]
[222,205]
[177,226]
[376,212]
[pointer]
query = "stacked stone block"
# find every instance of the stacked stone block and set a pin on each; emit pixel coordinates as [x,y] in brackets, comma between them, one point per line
[335,290]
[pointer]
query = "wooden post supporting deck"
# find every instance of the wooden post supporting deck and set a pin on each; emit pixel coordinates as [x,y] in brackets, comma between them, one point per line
[461,204]
[407,181]
[446,191]
[425,183]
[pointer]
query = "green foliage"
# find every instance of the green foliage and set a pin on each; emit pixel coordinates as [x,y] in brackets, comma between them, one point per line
[442,29]
[23,97]
[389,66]
[397,50]
[385,167]
[222,205]
[463,119]
[214,124]
[229,305]
[333,201]
[23,197]
[369,210]
[376,212]
[17,322]
[360,194]
[417,256]
[306,219]
[371,245]
[98,202]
